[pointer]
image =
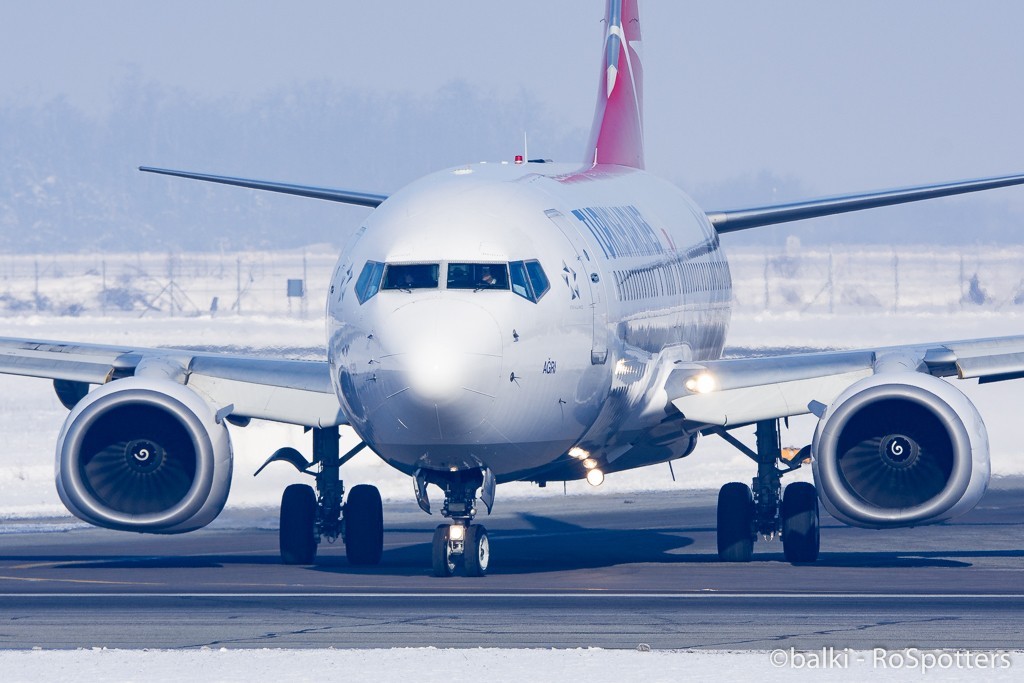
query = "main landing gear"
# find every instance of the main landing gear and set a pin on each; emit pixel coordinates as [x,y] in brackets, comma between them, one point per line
[461,541]
[307,515]
[746,512]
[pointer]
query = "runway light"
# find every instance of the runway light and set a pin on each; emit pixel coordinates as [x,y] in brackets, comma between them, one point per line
[595,477]
[456,532]
[590,463]
[578,453]
[703,383]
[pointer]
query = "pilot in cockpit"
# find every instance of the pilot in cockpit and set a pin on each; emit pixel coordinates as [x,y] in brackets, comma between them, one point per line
[486,279]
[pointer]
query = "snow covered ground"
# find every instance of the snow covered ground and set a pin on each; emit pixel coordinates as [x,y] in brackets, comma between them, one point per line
[430,665]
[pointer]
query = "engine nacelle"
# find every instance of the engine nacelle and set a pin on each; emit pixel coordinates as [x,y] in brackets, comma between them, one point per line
[900,449]
[144,454]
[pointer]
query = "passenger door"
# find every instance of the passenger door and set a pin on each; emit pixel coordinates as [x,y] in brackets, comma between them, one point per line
[588,272]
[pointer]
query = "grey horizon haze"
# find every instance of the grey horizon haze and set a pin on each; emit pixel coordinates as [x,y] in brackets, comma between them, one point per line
[745,103]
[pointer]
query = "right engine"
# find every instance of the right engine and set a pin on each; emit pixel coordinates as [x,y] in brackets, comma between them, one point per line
[900,449]
[144,454]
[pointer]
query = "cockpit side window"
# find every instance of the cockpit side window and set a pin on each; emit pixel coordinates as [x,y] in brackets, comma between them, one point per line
[369,281]
[538,279]
[477,276]
[409,276]
[520,280]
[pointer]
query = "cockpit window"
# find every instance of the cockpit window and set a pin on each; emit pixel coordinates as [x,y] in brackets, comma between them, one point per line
[411,276]
[477,276]
[528,279]
[538,279]
[369,281]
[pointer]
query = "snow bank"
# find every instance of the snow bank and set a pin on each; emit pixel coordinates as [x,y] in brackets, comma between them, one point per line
[430,665]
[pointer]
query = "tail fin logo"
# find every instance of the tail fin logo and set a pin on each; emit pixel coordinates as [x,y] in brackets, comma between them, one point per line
[617,135]
[613,42]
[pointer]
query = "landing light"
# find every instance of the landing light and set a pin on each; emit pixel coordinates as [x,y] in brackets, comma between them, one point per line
[578,453]
[590,463]
[595,477]
[456,532]
[703,383]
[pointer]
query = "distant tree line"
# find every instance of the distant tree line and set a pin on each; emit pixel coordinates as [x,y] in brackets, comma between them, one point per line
[68,180]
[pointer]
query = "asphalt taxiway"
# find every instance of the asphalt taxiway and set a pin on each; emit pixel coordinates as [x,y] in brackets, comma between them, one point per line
[578,571]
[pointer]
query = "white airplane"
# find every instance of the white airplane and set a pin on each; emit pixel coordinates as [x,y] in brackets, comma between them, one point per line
[530,321]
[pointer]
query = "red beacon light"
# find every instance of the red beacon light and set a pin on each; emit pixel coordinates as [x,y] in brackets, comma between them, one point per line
[519,158]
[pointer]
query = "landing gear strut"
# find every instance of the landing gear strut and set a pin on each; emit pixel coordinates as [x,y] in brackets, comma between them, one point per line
[763,509]
[307,515]
[461,541]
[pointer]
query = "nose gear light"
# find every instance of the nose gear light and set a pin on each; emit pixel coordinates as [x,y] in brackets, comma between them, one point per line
[578,453]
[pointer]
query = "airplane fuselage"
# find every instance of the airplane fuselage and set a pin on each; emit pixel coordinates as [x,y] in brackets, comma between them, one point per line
[499,315]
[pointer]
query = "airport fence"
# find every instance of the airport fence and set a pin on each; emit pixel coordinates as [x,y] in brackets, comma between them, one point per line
[842,280]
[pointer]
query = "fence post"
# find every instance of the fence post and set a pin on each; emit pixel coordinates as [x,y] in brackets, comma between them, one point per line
[238,285]
[896,281]
[831,284]
[766,261]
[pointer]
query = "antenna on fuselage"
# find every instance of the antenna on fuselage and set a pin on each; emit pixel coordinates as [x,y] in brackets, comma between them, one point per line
[526,148]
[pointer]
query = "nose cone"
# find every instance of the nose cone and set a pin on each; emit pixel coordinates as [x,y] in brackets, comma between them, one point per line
[442,360]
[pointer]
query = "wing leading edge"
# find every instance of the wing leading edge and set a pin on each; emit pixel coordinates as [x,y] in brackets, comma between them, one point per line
[733,392]
[731,220]
[290,391]
[734,220]
[332,195]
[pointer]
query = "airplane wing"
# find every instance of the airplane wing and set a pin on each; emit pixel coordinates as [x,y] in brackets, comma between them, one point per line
[730,220]
[737,391]
[344,196]
[733,220]
[291,391]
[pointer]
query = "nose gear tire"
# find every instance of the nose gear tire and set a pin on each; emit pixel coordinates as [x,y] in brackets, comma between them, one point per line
[477,555]
[443,562]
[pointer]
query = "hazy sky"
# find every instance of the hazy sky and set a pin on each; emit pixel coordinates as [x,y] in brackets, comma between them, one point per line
[838,96]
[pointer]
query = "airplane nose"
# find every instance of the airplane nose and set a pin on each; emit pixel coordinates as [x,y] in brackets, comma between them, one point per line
[444,358]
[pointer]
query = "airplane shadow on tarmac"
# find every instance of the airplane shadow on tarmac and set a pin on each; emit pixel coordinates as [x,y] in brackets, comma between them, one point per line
[551,545]
[541,544]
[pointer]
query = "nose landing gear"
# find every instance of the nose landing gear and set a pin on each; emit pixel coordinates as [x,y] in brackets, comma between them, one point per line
[461,541]
[454,543]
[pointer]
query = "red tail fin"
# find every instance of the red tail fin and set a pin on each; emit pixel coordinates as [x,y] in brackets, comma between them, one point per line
[617,136]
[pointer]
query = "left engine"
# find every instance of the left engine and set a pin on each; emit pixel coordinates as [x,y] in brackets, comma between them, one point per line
[144,454]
